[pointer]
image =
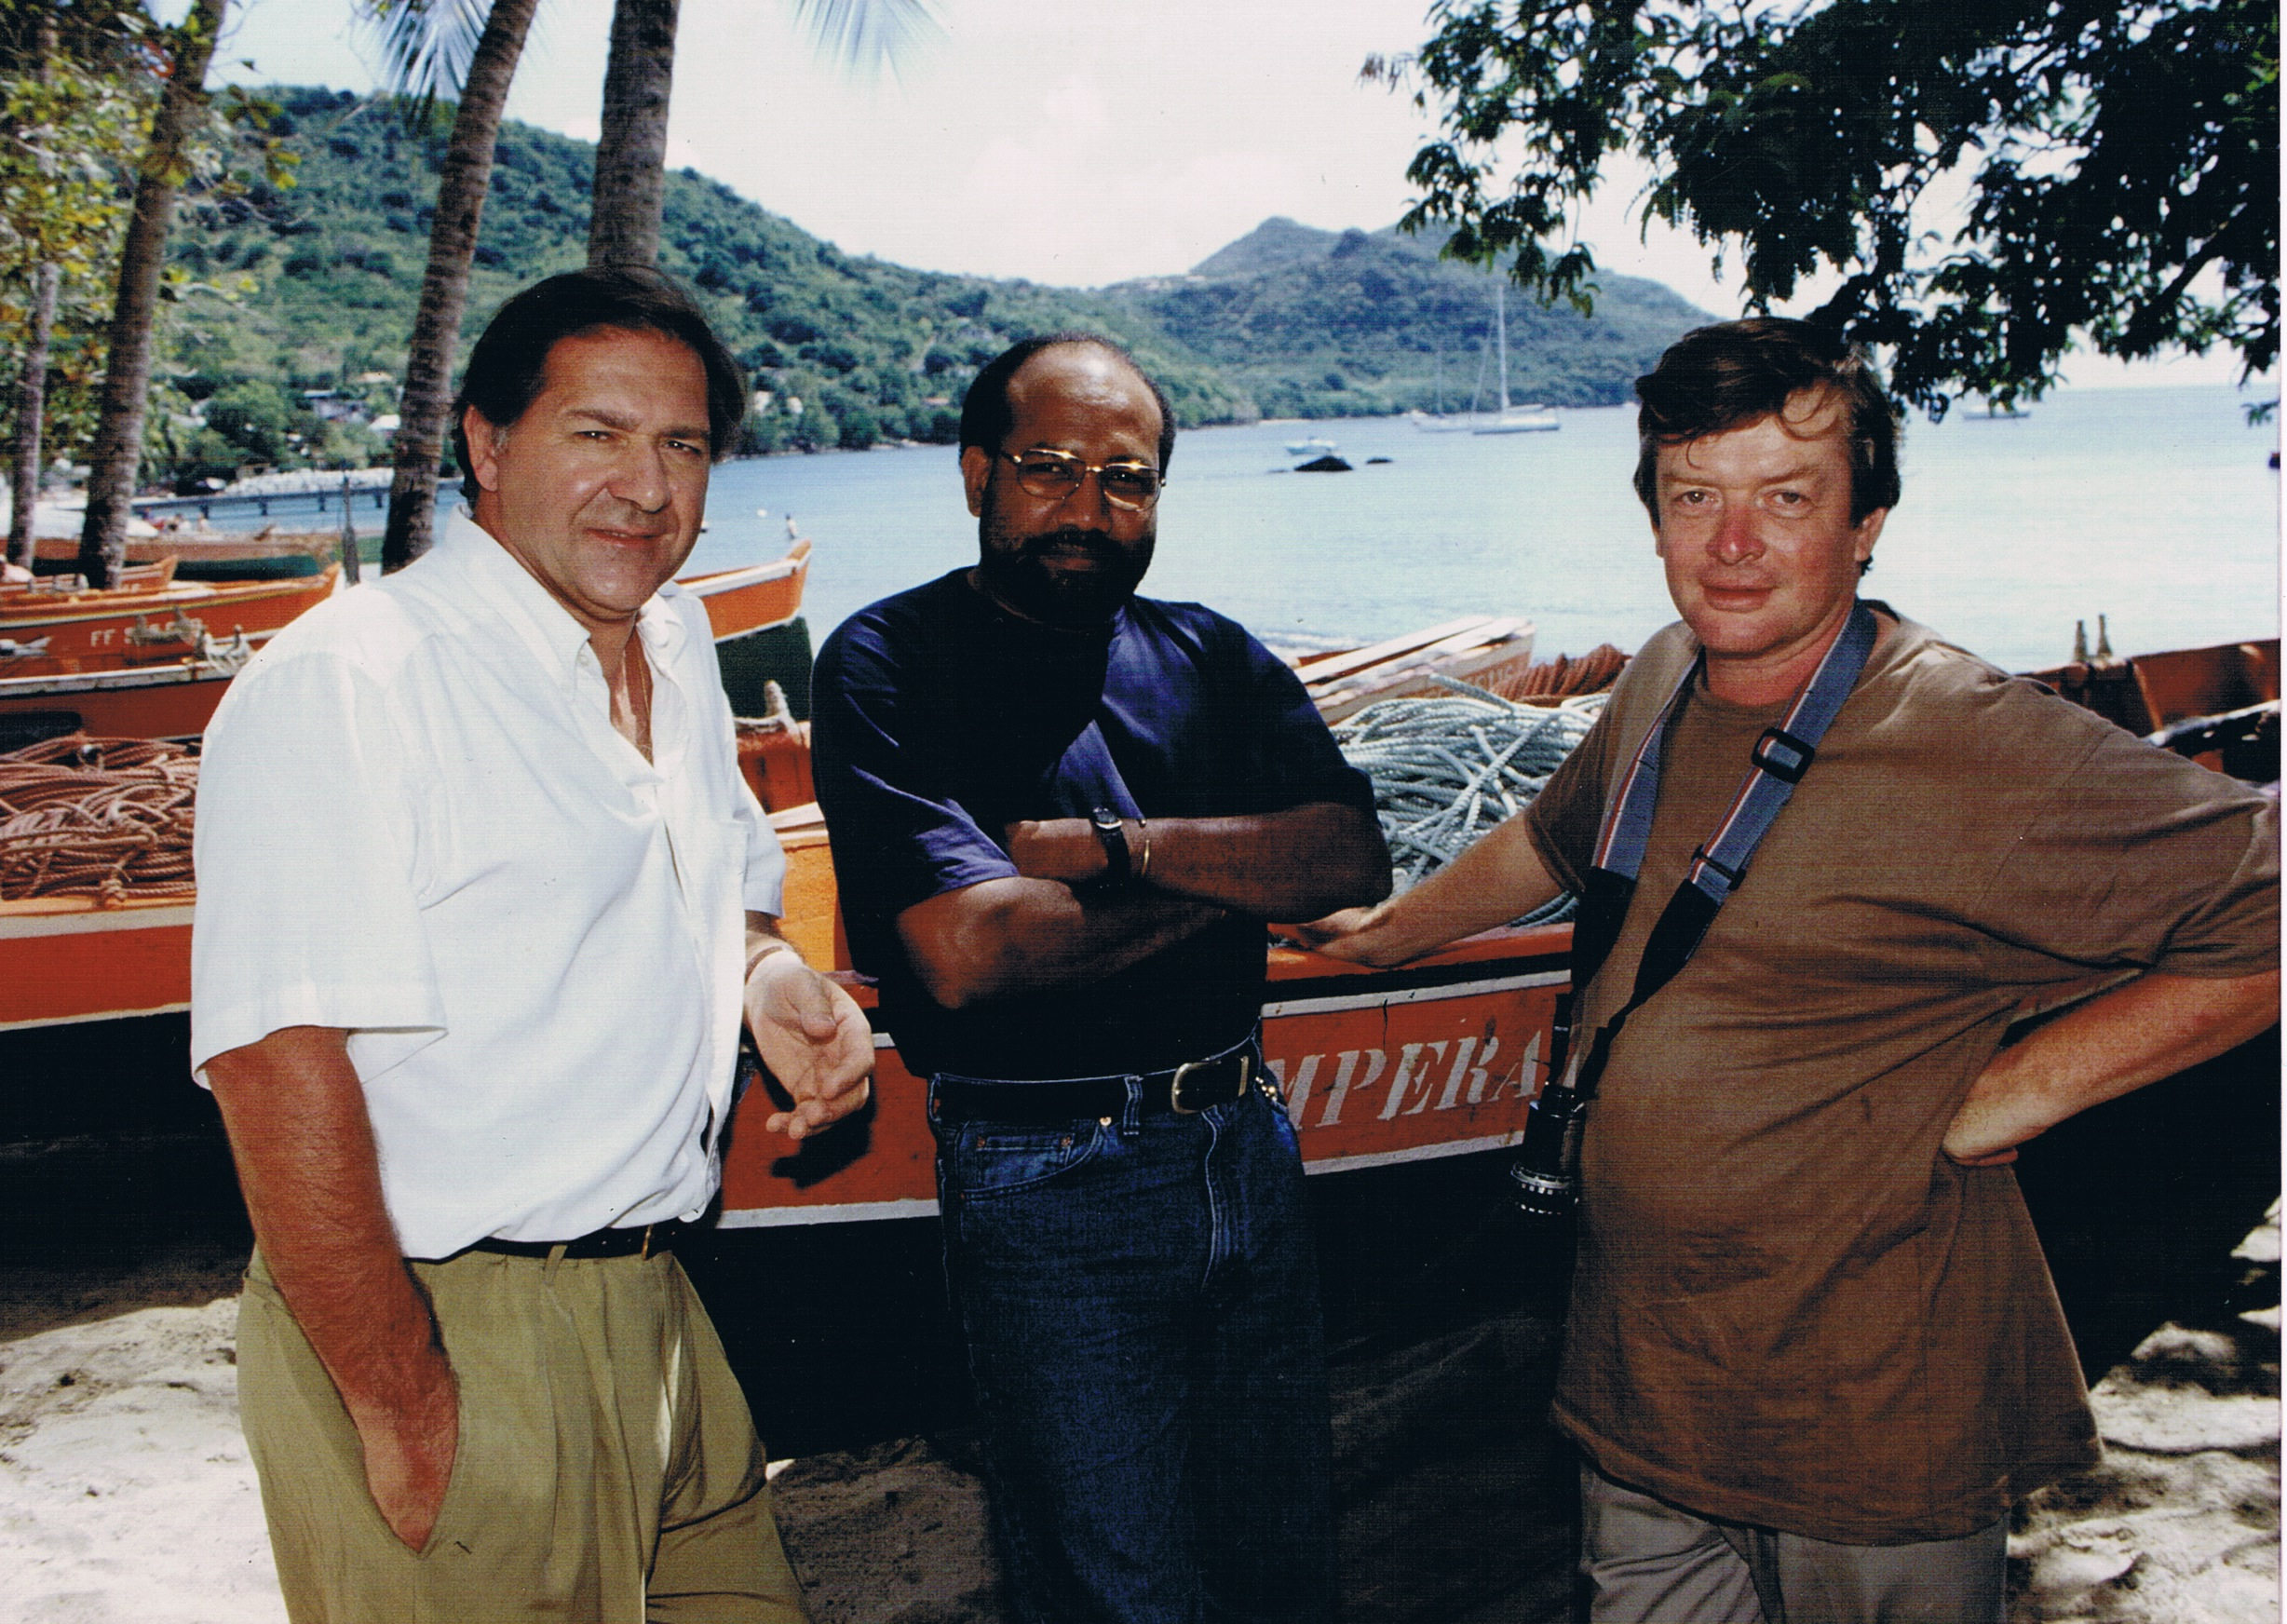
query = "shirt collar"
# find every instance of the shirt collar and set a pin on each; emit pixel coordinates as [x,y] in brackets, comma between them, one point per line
[509,588]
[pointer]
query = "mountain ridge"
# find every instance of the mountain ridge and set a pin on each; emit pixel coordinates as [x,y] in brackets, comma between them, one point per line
[845,349]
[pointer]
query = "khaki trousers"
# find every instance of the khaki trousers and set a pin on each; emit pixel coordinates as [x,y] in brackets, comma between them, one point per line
[607,1469]
[1651,1563]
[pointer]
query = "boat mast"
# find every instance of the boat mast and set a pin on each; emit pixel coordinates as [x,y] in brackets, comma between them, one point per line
[1500,332]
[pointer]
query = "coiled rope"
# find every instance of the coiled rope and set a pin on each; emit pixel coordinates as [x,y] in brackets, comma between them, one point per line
[108,818]
[1447,768]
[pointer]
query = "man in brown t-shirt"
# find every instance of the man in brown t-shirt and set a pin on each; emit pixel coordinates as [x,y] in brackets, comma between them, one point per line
[1813,1351]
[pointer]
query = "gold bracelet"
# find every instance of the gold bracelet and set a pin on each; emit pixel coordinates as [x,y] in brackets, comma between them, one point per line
[1143,867]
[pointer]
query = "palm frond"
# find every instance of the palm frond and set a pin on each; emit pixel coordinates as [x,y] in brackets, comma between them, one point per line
[425,47]
[868,36]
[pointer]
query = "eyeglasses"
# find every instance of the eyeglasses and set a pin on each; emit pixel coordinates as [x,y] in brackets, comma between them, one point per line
[1054,475]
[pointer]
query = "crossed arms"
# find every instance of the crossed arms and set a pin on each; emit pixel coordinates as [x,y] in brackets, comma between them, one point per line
[1045,927]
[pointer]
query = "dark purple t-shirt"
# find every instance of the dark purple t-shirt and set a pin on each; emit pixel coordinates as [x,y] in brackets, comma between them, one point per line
[940,720]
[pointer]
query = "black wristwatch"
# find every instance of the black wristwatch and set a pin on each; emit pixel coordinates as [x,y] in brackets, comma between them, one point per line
[1113,834]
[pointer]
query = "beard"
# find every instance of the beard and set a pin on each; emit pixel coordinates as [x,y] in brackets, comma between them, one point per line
[1031,575]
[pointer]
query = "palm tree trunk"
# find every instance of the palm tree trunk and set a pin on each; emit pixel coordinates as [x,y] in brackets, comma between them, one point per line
[631,189]
[31,382]
[31,408]
[126,374]
[444,287]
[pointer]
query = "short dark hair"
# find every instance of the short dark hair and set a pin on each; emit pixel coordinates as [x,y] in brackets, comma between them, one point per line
[507,366]
[1718,378]
[986,415]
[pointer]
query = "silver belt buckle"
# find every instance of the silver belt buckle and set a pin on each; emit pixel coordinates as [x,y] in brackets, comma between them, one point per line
[1175,1084]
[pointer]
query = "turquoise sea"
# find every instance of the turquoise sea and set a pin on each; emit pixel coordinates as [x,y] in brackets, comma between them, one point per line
[2155,506]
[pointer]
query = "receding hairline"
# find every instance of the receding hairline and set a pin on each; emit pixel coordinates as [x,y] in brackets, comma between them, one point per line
[1120,360]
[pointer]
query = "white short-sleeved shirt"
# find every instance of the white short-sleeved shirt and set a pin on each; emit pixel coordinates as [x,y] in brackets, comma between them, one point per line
[416,823]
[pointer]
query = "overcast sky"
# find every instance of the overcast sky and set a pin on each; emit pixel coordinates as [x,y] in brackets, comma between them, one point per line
[1078,144]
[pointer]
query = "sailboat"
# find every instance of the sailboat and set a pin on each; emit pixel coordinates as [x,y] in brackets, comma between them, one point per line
[1440,421]
[1533,419]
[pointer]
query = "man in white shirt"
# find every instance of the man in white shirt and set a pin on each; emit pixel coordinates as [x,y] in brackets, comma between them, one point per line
[482,897]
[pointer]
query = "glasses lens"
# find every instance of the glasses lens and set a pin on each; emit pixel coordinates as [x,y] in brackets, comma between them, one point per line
[1049,474]
[1128,484]
[1054,475]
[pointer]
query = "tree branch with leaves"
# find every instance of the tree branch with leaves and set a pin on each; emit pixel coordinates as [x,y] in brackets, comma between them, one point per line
[2115,166]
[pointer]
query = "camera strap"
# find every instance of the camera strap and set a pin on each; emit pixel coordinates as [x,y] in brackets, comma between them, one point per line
[1779,761]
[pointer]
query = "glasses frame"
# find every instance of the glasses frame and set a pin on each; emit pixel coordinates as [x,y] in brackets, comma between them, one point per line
[1159,480]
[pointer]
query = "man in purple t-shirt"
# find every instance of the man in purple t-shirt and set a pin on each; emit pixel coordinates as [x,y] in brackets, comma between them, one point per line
[1061,814]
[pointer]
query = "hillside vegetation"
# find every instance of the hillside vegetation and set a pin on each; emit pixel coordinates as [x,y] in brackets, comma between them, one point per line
[1321,324]
[314,287]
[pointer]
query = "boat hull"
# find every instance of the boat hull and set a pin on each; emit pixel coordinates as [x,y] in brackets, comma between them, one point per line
[103,631]
[169,693]
[1377,1070]
[174,701]
[209,558]
[64,961]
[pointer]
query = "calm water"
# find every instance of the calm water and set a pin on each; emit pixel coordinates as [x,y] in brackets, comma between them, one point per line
[2155,506]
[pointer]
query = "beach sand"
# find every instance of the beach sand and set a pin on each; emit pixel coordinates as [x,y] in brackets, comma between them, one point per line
[126,1497]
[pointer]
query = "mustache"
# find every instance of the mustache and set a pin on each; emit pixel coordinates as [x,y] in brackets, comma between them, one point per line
[1096,544]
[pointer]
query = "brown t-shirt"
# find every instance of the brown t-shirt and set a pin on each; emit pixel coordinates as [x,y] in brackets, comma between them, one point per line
[1790,1310]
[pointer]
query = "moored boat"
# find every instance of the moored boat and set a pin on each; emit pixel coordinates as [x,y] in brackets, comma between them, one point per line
[170,688]
[208,556]
[1378,1068]
[169,701]
[1535,419]
[55,629]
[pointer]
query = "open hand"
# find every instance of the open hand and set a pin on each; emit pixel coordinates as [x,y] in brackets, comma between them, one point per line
[815,1040]
[1352,934]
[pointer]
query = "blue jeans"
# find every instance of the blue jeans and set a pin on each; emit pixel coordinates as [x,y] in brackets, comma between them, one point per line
[1140,1299]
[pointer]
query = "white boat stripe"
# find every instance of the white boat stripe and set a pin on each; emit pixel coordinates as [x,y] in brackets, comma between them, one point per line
[99,1015]
[1414,995]
[1380,1000]
[868,1211]
[841,1212]
[94,919]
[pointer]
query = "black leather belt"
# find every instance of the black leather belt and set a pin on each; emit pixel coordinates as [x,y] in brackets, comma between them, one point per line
[632,1240]
[1185,1091]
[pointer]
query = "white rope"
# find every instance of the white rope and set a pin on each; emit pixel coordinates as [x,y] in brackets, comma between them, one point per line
[1447,769]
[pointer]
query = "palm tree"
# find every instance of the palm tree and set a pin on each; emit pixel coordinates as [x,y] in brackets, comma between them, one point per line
[630,185]
[629,198]
[633,152]
[473,49]
[31,382]
[70,52]
[126,374]
[427,40]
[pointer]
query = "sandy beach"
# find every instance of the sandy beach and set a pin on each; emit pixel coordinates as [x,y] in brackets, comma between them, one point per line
[126,1497]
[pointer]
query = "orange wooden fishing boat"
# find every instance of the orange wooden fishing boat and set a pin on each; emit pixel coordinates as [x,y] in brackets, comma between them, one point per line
[48,630]
[1378,1067]
[169,688]
[159,701]
[1434,1060]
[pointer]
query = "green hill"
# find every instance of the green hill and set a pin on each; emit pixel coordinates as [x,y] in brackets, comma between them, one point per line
[1286,320]
[1321,323]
